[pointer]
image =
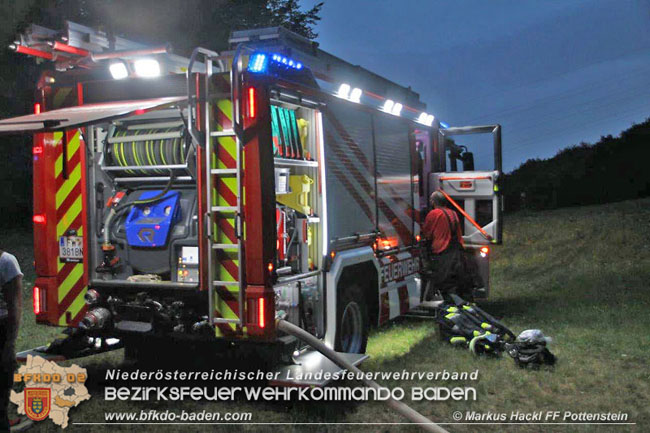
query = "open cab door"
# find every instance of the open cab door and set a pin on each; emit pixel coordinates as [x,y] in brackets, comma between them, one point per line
[476,195]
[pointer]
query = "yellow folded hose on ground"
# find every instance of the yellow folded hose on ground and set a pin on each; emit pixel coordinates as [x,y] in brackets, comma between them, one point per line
[412,415]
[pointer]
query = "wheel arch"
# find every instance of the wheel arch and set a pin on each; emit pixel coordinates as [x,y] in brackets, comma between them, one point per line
[346,267]
[370,287]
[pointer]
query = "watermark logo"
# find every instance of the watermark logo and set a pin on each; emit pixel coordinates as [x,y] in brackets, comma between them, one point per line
[50,390]
[37,403]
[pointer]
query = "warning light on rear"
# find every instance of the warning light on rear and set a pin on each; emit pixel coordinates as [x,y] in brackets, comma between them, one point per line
[37,300]
[261,313]
[252,103]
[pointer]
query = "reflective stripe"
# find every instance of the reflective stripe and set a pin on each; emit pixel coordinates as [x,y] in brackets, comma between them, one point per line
[71,182]
[224,193]
[73,147]
[71,279]
[69,206]
[69,217]
[78,304]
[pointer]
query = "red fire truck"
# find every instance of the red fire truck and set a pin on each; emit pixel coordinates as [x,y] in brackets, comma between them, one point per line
[206,197]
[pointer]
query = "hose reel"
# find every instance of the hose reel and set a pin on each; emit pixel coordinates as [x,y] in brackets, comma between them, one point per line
[143,147]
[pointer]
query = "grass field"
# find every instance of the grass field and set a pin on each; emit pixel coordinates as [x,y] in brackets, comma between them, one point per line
[582,275]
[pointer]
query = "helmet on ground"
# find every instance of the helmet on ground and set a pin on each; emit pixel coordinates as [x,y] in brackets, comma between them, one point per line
[529,348]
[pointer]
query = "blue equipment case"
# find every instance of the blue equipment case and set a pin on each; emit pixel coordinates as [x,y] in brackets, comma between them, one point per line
[148,225]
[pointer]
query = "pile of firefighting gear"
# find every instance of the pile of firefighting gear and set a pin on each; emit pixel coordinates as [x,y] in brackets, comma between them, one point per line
[464,324]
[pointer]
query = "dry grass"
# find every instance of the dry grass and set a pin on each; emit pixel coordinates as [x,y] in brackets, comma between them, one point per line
[582,275]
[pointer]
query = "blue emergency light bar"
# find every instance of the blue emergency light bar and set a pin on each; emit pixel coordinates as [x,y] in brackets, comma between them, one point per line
[286,61]
[259,62]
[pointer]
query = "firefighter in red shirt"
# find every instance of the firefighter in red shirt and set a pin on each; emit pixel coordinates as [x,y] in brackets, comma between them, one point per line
[447,270]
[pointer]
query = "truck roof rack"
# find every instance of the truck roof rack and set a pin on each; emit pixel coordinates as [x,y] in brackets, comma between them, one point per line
[74,39]
[80,46]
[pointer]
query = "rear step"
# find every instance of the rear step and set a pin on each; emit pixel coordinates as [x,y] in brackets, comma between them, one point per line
[312,368]
[426,310]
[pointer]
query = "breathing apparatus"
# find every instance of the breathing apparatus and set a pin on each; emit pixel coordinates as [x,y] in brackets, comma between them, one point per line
[467,325]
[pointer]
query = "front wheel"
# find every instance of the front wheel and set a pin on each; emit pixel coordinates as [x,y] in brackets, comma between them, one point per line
[352,321]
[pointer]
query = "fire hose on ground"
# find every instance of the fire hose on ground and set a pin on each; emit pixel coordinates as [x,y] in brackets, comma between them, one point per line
[401,408]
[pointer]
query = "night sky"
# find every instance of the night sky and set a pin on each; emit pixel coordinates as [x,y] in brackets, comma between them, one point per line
[552,73]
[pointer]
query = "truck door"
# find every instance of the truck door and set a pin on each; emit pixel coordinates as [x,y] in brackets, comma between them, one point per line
[477,193]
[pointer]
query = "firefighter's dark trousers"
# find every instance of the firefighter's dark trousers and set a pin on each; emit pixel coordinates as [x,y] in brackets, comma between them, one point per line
[8,333]
[451,272]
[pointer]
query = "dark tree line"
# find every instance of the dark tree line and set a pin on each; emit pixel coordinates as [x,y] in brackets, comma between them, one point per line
[613,169]
[183,23]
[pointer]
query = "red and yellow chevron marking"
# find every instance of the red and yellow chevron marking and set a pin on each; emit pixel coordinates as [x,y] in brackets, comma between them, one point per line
[71,281]
[62,97]
[224,193]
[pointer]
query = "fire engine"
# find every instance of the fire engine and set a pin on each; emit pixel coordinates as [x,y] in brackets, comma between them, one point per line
[204,197]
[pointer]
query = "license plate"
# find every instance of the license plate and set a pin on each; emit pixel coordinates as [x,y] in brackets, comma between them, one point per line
[71,248]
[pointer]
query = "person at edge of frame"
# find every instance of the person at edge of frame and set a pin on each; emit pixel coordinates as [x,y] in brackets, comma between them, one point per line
[11,282]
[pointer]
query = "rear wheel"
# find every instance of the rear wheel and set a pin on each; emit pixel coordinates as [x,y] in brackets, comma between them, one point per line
[352,321]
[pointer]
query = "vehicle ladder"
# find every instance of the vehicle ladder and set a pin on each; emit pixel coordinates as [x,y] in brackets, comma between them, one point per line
[221,139]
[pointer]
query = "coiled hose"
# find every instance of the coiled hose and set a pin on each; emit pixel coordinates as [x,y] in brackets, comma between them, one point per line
[411,414]
[148,152]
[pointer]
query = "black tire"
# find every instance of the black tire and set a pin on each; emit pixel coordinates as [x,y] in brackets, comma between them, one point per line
[351,321]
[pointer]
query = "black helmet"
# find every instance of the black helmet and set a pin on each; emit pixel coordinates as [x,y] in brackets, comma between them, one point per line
[529,348]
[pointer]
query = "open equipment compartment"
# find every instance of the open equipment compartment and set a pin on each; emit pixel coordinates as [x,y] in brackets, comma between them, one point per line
[142,194]
[300,203]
